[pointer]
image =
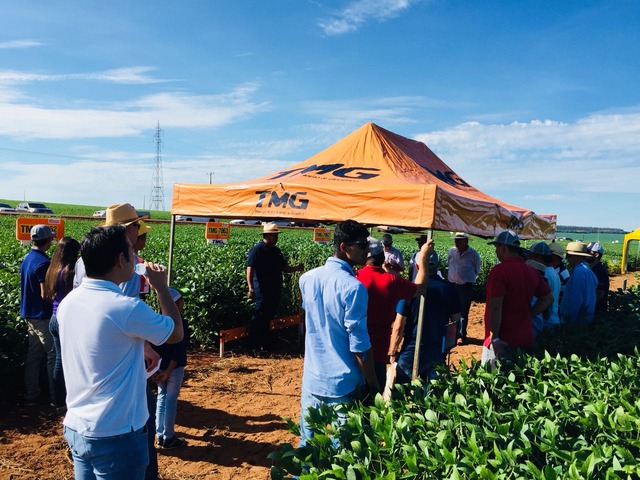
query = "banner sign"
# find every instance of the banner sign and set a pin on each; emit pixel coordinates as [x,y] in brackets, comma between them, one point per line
[25,224]
[322,235]
[217,232]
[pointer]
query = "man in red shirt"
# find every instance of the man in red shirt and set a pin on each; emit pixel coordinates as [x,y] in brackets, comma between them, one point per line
[385,291]
[511,286]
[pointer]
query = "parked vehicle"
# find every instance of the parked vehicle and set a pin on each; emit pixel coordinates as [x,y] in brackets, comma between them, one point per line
[306,224]
[390,229]
[241,221]
[103,213]
[280,223]
[5,207]
[33,207]
[195,219]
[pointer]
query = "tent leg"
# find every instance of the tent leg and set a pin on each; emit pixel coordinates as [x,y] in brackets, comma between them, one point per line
[171,244]
[416,355]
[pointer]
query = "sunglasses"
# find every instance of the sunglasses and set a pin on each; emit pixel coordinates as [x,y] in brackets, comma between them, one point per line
[362,244]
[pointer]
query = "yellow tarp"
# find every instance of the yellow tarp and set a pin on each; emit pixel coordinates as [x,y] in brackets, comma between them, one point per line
[374,176]
[635,235]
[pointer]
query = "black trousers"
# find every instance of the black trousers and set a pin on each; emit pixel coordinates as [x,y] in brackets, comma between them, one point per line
[265,308]
[465,294]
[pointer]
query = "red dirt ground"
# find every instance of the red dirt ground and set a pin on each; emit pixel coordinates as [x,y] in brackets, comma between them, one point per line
[230,411]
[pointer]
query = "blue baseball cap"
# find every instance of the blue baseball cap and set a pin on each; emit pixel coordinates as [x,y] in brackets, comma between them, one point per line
[375,247]
[507,238]
[540,248]
[595,247]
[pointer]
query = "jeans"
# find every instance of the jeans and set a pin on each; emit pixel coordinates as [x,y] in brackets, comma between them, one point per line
[59,389]
[429,361]
[167,404]
[151,472]
[40,344]
[109,458]
[308,400]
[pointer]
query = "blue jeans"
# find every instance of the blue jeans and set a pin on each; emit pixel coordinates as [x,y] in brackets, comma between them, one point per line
[59,388]
[109,458]
[152,468]
[167,403]
[308,400]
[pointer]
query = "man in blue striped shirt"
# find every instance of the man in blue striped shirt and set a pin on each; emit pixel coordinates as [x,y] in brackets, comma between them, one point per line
[338,361]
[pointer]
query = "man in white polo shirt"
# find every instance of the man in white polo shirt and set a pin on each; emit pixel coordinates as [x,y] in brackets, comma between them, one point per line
[464,265]
[102,335]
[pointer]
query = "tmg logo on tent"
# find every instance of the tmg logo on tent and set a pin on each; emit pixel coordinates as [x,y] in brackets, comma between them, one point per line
[336,169]
[285,200]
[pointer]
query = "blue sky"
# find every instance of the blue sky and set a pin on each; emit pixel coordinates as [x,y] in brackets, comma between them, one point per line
[536,103]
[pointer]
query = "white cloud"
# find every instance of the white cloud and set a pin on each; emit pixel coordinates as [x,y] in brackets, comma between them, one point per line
[121,178]
[359,12]
[181,110]
[19,44]
[127,75]
[356,112]
[597,153]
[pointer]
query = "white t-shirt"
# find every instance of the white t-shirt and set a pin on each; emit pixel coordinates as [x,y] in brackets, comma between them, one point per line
[102,334]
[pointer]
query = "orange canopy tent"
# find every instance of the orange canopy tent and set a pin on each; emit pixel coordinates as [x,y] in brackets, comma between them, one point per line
[374,176]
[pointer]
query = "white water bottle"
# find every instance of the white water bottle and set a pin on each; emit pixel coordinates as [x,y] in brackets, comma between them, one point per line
[140,269]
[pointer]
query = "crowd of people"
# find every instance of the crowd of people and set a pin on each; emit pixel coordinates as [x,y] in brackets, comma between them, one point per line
[104,345]
[365,324]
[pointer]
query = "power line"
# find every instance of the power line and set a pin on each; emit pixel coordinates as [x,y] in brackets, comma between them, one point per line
[57,155]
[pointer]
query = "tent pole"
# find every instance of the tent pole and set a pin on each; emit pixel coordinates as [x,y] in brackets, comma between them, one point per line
[171,238]
[416,353]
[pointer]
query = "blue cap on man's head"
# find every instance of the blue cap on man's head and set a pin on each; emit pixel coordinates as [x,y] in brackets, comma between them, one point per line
[595,247]
[540,248]
[375,247]
[508,238]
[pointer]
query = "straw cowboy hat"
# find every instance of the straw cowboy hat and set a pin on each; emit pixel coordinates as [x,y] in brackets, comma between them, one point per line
[121,214]
[578,248]
[270,228]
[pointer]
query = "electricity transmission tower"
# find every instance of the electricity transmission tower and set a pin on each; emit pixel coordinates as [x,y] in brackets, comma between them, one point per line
[157,190]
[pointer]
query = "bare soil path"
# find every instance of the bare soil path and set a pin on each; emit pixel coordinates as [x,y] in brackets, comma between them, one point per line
[230,411]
